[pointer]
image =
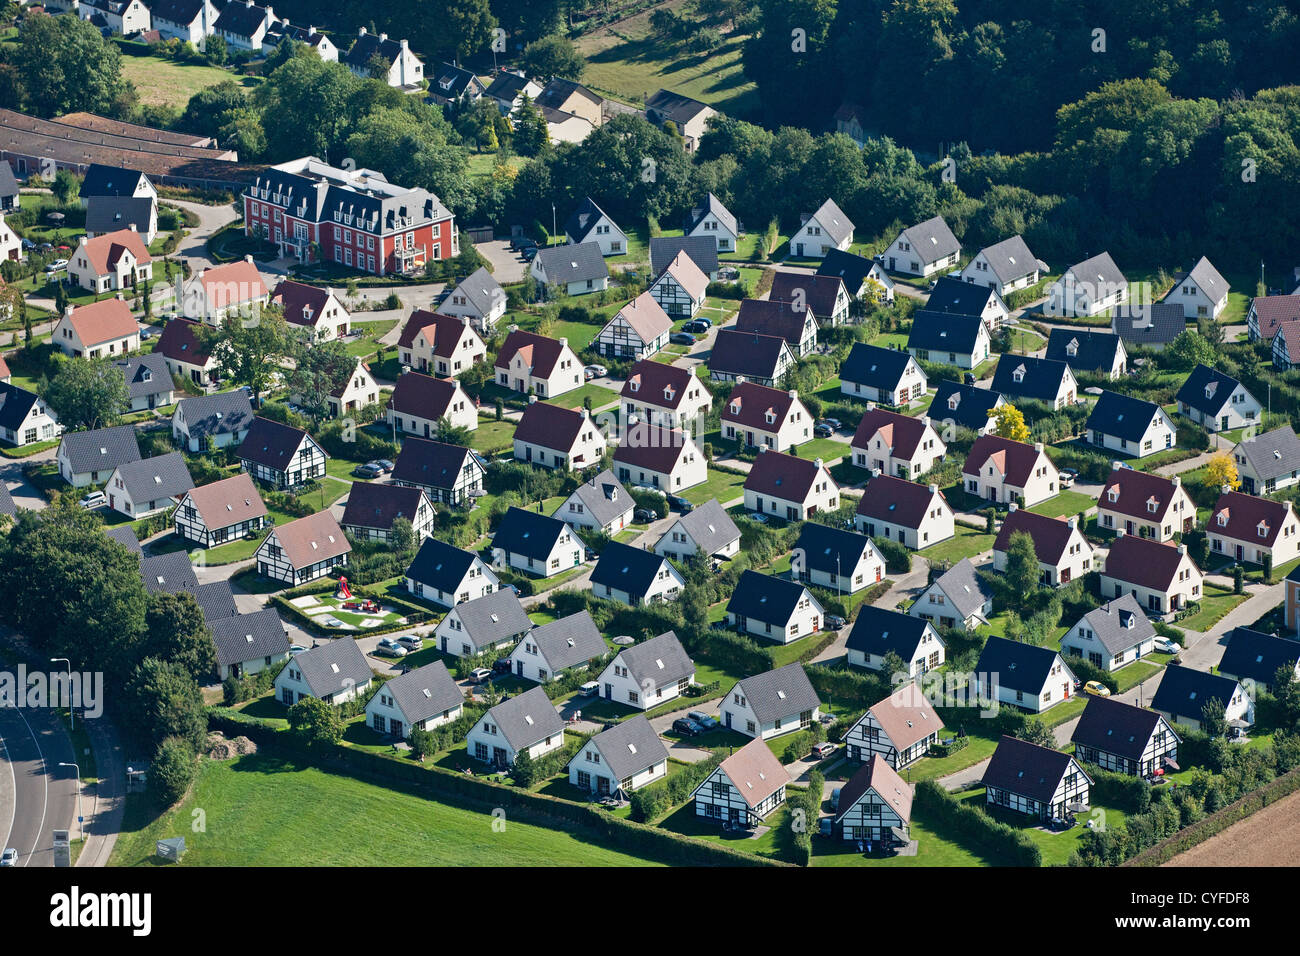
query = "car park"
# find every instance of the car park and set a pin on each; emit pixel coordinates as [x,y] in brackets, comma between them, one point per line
[682,338]
[93,500]
[368,470]
[687,727]
[390,648]
[1096,688]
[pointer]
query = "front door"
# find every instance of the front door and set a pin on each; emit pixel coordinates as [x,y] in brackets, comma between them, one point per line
[498,756]
[519,668]
[602,786]
[444,644]
[727,719]
[609,691]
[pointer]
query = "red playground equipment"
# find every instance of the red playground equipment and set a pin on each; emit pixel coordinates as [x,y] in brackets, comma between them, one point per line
[344,591]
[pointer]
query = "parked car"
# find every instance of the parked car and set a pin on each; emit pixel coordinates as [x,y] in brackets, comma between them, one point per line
[826,826]
[368,470]
[707,323]
[703,719]
[1072,472]
[822,430]
[968,378]
[521,242]
[412,642]
[529,253]
[759,517]
[514,590]
[835,423]
[678,503]
[588,374]
[479,675]
[695,327]
[93,500]
[682,338]
[590,689]
[56,265]
[9,857]
[390,648]
[598,370]
[384,463]
[823,750]
[1166,646]
[588,554]
[1067,481]
[835,622]
[687,727]
[1096,688]
[501,665]
[835,799]
[643,515]
[296,649]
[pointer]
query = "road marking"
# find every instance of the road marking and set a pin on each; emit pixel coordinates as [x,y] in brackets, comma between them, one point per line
[45,794]
[13,781]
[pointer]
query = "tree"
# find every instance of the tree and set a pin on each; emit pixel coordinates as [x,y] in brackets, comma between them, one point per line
[175,630]
[401,536]
[65,187]
[249,351]
[316,723]
[1009,422]
[1189,349]
[1037,732]
[1022,573]
[172,771]
[554,56]
[320,369]
[87,393]
[162,700]
[64,64]
[1221,470]
[524,770]
[424,743]
[532,138]
[893,665]
[1213,721]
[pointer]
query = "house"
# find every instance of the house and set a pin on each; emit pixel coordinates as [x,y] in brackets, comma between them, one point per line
[864,278]
[1085,350]
[681,288]
[776,702]
[527,722]
[826,229]
[532,542]
[1268,312]
[950,294]
[1291,605]
[1087,288]
[169,573]
[405,69]
[787,320]
[1005,267]
[769,418]
[788,487]
[620,760]
[648,674]
[281,455]
[714,221]
[217,601]
[875,806]
[483,624]
[1268,462]
[10,193]
[701,250]
[187,355]
[359,391]
[222,419]
[90,457]
[125,535]
[1162,577]
[651,456]
[957,598]
[574,99]
[1256,657]
[190,21]
[832,558]
[11,246]
[689,117]
[478,298]
[1000,470]
[105,214]
[440,344]
[744,789]
[558,648]
[898,730]
[112,260]
[1145,504]
[601,504]
[965,406]
[666,395]
[420,404]
[451,474]
[509,89]
[248,644]
[446,575]
[1026,676]
[148,381]
[556,437]
[878,632]
[1129,425]
[923,249]
[1063,552]
[536,365]
[450,85]
[312,307]
[420,699]
[334,672]
[589,223]
[1122,738]
[1111,636]
[1286,344]
[148,486]
[773,609]
[372,508]
[303,550]
[1216,401]
[826,296]
[1049,381]
[1153,325]
[1036,781]
[234,289]
[896,444]
[749,355]
[887,376]
[916,516]
[707,528]
[97,330]
[575,269]
[637,331]
[282,31]
[1200,291]
[243,25]
[948,339]
[225,510]
[1249,529]
[115,182]
[635,576]
[1184,692]
[25,418]
[562,127]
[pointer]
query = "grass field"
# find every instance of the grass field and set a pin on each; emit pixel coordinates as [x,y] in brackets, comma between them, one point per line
[165,83]
[1065,504]
[966,543]
[262,811]
[1215,602]
[931,850]
[722,485]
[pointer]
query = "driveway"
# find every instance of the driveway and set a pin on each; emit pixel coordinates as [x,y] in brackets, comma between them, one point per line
[507,266]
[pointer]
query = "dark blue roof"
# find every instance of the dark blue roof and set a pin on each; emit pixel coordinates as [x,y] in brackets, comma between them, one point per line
[626,568]
[1183,692]
[874,366]
[1254,655]
[944,331]
[879,630]
[832,550]
[951,294]
[528,533]
[764,598]
[1022,667]
[1122,416]
[973,404]
[440,565]
[1041,378]
[1094,351]
[1204,379]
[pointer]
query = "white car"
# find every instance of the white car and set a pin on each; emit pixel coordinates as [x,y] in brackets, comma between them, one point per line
[390,648]
[296,649]
[93,500]
[412,642]
[57,265]
[1165,646]
[598,370]
[9,857]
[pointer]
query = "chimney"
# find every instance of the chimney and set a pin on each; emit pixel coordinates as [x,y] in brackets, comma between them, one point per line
[1013,508]
[67,310]
[1073,522]
[740,380]
[934,489]
[564,341]
[819,464]
[1182,549]
[1226,489]
[871,406]
[311,31]
[383,37]
[361,32]
[1038,446]
[405,45]
[249,258]
[794,393]
[875,472]
[1178,481]
[532,399]
[1116,465]
[925,421]
[1119,533]
[120,297]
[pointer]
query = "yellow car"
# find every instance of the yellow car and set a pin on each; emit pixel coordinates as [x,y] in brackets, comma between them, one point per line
[1096,687]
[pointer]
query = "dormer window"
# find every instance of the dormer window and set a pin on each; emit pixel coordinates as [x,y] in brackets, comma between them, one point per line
[1223,518]
[1262,528]
[953,402]
[1152,504]
[1112,494]
[669,393]
[1019,374]
[1073,347]
[635,385]
[734,408]
[770,416]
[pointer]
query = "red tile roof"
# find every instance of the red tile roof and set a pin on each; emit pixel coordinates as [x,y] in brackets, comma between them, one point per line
[755,402]
[1134,490]
[1014,459]
[820,292]
[1051,535]
[298,298]
[646,317]
[550,425]
[901,433]
[443,332]
[103,252]
[105,321]
[180,343]
[234,283]
[784,476]
[898,501]
[1272,310]
[1241,516]
[422,395]
[1144,562]
[654,379]
[539,352]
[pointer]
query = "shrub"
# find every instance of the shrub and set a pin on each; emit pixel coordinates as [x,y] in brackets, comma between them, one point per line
[173,769]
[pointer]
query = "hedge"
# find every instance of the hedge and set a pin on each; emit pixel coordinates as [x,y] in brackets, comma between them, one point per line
[1120,790]
[652,802]
[978,830]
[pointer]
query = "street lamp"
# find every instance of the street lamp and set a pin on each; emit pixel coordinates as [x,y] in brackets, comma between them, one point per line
[72,720]
[81,825]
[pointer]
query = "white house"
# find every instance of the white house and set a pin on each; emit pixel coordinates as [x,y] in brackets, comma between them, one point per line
[575,270]
[637,331]
[1113,635]
[98,330]
[681,288]
[773,608]
[1036,781]
[148,486]
[334,671]
[875,806]
[220,511]
[1124,739]
[561,647]
[439,344]
[1248,529]
[451,474]
[835,559]
[1063,552]
[770,704]
[635,576]
[653,457]
[233,289]
[1145,504]
[901,445]
[648,674]
[533,543]
[899,729]
[914,515]
[1184,692]
[665,395]
[878,632]
[556,437]
[1129,425]
[707,528]
[957,598]
[1269,462]
[601,504]
[1162,577]
[1201,291]
[887,376]
[744,789]
[589,223]
[89,457]
[24,417]
[446,575]
[525,722]
[112,260]
[312,307]
[1216,401]
[482,624]
[1001,471]
[405,69]
[768,418]
[923,249]
[420,699]
[248,644]
[713,220]
[537,365]
[1021,675]
[620,760]
[826,229]
[1087,288]
[303,550]
[190,21]
[788,487]
[1005,266]
[479,298]
[420,403]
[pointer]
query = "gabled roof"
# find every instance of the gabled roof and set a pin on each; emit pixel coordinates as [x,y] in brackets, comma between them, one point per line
[898,501]
[569,641]
[481,290]
[124,535]
[440,565]
[750,404]
[110,213]
[8,184]
[1251,654]
[973,404]
[102,449]
[778,693]
[527,533]
[425,692]
[773,317]
[659,384]
[1272,454]
[603,497]
[1011,259]
[231,284]
[932,239]
[271,444]
[583,219]
[1092,350]
[765,598]
[951,294]
[506,86]
[1136,493]
[628,569]
[369,45]
[1119,624]
[965,590]
[906,717]
[675,107]
[310,540]
[526,718]
[538,352]
[221,413]
[1098,271]
[216,599]
[820,292]
[659,662]
[1022,667]
[944,331]
[709,526]
[630,747]
[702,250]
[15,403]
[423,395]
[1051,535]
[875,366]
[1112,726]
[1014,459]
[1122,416]
[1157,323]
[493,617]
[241,19]
[1248,518]
[1207,389]
[783,476]
[152,479]
[101,180]
[247,637]
[442,332]
[1029,377]
[902,434]
[104,251]
[878,777]
[1183,692]
[552,426]
[373,505]
[1029,770]
[576,262]
[146,374]
[104,321]
[1270,311]
[303,304]
[851,269]
[168,573]
[450,81]
[837,225]
[180,342]
[712,206]
[556,93]
[879,631]
[688,275]
[833,550]
[434,464]
[653,447]
[754,771]
[1206,278]
[646,317]
[1144,562]
[333,666]
[746,353]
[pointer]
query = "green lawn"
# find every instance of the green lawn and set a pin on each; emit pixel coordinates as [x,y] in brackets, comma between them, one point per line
[492,435]
[262,811]
[1215,602]
[827,449]
[365,345]
[1065,504]
[722,485]
[931,850]
[166,83]
[772,845]
[931,768]
[966,543]
[1056,847]
[599,395]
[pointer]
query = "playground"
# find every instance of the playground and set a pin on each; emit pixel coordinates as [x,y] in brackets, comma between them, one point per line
[344,611]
